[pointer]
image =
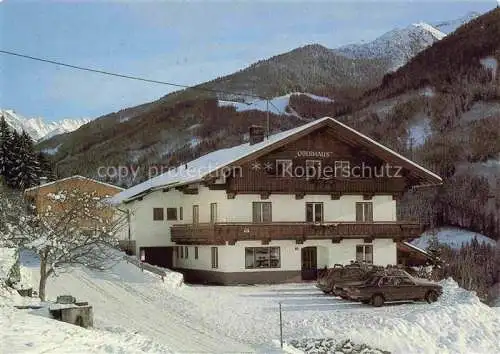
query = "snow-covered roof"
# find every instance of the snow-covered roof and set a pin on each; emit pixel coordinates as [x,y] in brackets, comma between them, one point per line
[72,177]
[417,249]
[203,166]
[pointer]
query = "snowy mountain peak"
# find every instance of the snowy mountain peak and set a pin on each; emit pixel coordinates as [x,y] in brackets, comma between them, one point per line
[400,45]
[432,30]
[38,128]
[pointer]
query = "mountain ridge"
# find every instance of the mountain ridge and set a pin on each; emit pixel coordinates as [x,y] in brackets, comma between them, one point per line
[400,45]
[38,128]
[160,130]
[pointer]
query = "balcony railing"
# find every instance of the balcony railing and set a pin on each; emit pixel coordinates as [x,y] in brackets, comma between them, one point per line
[220,233]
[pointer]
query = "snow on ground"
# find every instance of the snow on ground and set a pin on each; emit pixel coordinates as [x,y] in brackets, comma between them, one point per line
[23,332]
[419,132]
[238,319]
[277,105]
[490,63]
[451,236]
[52,151]
[127,299]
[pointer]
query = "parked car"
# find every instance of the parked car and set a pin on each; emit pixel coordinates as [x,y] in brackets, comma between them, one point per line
[340,273]
[340,286]
[394,287]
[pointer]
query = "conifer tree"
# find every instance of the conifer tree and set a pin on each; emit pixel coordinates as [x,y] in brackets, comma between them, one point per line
[46,168]
[26,170]
[6,150]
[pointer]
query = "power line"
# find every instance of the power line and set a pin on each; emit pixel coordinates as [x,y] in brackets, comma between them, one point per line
[126,76]
[138,78]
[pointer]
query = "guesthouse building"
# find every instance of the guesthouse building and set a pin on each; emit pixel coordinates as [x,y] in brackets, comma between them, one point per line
[277,208]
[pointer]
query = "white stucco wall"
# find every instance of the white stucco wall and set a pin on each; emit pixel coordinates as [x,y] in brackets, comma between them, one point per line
[147,232]
[284,206]
[232,257]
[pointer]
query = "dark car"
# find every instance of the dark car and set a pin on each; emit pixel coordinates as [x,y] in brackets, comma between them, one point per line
[340,286]
[393,287]
[339,273]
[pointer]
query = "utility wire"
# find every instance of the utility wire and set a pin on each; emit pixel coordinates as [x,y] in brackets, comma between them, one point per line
[125,76]
[138,78]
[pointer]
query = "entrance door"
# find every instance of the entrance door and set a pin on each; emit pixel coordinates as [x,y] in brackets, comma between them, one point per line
[309,258]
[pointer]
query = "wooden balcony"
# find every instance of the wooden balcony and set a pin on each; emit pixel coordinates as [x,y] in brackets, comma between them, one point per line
[220,233]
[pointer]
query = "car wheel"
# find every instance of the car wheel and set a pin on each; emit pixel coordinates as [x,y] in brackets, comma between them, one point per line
[431,296]
[377,300]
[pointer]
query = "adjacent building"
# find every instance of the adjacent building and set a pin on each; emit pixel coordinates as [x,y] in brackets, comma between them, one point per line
[57,197]
[276,208]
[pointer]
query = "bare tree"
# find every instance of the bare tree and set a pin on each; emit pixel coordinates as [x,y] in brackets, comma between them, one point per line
[72,228]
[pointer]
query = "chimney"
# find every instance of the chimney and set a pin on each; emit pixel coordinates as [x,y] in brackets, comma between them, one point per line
[256,133]
[43,180]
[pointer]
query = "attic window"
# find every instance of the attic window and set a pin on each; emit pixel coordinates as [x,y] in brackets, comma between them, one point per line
[157,214]
[171,213]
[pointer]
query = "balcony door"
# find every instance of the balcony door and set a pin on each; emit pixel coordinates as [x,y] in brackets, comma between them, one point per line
[309,260]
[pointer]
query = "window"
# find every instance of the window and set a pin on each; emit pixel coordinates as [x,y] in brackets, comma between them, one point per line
[196,214]
[405,281]
[182,252]
[177,251]
[364,253]
[283,168]
[213,213]
[196,252]
[171,213]
[262,212]
[314,212]
[215,257]
[342,169]
[313,168]
[364,212]
[262,257]
[157,214]
[186,253]
[181,214]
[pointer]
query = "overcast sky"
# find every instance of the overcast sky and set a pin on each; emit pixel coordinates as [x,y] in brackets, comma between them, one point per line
[180,42]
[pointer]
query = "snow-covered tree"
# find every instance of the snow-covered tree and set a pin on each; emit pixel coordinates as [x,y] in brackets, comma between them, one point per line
[71,228]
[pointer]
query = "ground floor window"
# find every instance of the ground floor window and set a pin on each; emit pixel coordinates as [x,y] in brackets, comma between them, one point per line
[262,257]
[215,257]
[196,252]
[364,253]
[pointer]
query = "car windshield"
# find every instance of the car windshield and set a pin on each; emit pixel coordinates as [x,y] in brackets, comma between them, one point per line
[372,281]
